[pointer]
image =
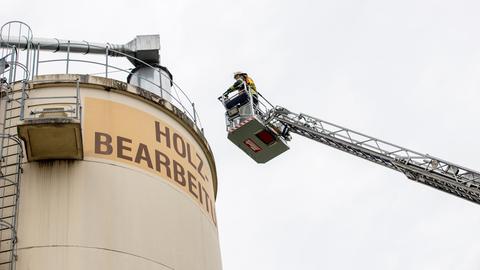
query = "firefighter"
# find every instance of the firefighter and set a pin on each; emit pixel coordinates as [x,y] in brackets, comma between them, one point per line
[242,81]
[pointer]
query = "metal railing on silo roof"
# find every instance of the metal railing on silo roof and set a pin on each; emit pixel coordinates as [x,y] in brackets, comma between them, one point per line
[67,106]
[176,95]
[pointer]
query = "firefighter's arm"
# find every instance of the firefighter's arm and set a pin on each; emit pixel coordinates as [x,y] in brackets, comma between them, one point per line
[236,86]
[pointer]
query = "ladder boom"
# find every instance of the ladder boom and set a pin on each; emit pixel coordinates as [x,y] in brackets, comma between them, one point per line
[423,168]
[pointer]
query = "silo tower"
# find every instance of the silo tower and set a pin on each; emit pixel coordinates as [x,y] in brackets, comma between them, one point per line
[104,164]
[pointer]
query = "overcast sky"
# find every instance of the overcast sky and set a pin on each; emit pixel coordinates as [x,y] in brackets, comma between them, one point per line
[404,71]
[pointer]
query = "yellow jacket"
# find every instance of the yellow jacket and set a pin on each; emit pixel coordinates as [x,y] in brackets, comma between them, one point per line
[251,85]
[238,85]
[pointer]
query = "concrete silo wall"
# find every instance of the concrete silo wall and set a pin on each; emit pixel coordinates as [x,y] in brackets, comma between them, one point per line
[142,198]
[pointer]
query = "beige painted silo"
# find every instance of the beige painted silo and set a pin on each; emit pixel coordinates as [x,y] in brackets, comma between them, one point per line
[111,175]
[143,197]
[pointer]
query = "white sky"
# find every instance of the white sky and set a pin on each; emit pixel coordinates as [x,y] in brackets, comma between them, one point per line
[404,71]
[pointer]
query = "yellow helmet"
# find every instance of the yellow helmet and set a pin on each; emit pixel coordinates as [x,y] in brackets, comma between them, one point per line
[239,73]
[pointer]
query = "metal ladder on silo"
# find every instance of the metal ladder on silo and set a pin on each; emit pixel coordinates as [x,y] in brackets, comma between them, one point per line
[11,155]
[17,62]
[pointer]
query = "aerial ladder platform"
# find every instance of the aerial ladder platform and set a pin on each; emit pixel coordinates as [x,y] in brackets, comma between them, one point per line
[263,130]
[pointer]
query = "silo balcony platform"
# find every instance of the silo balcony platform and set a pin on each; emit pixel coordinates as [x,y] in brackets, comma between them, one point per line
[52,138]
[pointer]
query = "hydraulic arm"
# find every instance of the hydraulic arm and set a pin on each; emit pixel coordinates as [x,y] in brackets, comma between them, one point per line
[426,169]
[262,132]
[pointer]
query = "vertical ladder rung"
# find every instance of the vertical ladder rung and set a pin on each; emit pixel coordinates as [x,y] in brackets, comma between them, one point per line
[3,251]
[12,117]
[8,239]
[10,145]
[9,165]
[4,228]
[7,206]
[8,175]
[14,108]
[10,155]
[7,196]
[8,185]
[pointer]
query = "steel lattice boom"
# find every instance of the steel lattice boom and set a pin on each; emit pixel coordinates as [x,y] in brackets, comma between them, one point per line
[426,169]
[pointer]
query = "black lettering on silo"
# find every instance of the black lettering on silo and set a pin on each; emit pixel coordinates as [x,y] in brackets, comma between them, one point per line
[142,153]
[103,140]
[207,199]
[159,134]
[178,173]
[200,194]
[214,214]
[179,148]
[162,159]
[200,166]
[121,148]
[189,155]
[191,184]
